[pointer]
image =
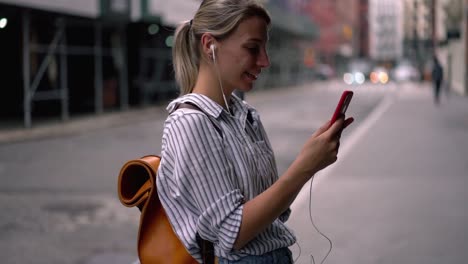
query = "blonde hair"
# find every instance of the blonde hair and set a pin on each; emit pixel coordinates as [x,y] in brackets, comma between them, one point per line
[220,18]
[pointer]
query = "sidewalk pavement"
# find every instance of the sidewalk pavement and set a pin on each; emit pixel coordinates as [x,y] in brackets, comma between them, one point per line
[397,193]
[56,128]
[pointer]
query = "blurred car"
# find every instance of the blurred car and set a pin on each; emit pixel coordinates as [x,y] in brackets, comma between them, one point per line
[404,72]
[324,72]
[358,71]
[379,75]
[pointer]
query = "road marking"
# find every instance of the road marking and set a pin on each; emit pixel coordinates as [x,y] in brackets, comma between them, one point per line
[345,149]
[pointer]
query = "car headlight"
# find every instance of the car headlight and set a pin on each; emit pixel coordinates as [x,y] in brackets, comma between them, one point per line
[383,77]
[348,78]
[359,78]
[374,77]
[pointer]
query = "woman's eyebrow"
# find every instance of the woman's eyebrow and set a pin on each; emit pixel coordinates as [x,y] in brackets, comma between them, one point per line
[256,40]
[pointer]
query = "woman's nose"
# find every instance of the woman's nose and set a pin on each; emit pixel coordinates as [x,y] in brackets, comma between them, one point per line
[263,60]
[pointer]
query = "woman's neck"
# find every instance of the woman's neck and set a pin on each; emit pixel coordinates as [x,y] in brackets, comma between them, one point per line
[208,85]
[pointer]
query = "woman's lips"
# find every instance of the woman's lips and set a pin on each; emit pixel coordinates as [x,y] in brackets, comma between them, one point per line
[251,76]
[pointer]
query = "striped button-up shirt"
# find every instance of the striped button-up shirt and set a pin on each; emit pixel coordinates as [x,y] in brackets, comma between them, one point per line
[212,163]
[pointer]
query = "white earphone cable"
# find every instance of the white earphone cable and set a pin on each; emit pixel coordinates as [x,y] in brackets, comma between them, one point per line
[219,78]
[313,224]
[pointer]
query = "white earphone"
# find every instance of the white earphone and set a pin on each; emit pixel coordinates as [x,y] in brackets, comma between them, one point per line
[213,47]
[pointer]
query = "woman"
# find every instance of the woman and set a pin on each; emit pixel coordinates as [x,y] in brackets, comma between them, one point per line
[217,179]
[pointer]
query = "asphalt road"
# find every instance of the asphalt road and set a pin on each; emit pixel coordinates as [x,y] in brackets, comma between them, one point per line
[396,194]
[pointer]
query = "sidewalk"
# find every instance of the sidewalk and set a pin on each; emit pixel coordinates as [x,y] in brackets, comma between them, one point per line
[398,191]
[56,128]
[91,121]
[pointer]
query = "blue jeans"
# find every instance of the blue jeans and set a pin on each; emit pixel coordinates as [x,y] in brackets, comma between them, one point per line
[279,256]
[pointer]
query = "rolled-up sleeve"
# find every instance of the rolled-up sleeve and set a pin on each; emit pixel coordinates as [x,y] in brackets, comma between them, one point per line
[223,219]
[285,215]
[203,179]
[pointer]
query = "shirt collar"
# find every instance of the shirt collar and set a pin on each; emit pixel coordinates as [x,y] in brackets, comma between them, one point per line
[239,107]
[203,102]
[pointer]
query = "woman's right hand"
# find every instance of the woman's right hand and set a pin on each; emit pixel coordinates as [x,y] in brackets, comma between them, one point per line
[321,149]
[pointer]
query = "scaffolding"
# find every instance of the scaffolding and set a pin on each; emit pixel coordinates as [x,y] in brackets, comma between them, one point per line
[59,47]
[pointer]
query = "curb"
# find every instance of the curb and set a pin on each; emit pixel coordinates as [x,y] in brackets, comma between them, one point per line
[81,124]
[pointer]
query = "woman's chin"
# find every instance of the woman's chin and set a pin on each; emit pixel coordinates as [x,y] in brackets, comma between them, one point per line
[245,87]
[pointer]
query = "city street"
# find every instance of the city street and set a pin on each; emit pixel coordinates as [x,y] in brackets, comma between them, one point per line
[397,193]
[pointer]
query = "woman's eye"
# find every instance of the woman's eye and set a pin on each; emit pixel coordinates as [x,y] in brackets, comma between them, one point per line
[254,50]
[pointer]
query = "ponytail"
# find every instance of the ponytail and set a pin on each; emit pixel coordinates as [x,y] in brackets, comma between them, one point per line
[185,57]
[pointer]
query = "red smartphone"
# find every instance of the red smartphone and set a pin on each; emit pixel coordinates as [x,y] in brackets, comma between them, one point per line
[342,105]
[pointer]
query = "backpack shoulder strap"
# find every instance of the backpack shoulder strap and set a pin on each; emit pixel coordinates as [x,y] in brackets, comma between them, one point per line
[194,107]
[206,246]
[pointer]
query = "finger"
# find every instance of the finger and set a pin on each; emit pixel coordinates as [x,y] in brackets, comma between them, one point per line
[336,128]
[339,134]
[348,122]
[322,129]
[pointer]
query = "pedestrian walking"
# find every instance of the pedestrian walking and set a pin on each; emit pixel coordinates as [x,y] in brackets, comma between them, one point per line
[437,79]
[218,179]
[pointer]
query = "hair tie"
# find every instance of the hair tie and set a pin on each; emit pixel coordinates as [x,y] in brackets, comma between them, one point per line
[191,20]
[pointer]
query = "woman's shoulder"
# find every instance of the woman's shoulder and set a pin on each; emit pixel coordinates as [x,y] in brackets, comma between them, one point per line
[189,121]
[200,102]
[186,118]
[188,126]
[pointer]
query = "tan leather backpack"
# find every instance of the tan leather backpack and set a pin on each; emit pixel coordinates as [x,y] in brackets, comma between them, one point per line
[157,242]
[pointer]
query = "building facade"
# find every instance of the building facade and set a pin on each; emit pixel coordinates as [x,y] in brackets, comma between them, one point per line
[385,30]
[419,33]
[66,58]
[451,42]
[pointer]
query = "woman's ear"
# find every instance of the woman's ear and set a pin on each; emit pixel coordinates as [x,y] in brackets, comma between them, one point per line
[208,44]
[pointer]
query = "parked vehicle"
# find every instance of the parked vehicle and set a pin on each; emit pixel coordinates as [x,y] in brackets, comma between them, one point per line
[379,75]
[324,72]
[361,65]
[405,71]
[358,71]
